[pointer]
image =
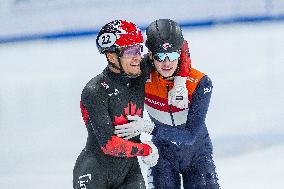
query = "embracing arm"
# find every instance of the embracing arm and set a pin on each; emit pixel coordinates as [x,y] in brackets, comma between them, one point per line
[185,61]
[94,107]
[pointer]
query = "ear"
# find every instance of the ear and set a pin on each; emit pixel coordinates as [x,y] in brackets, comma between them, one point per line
[150,55]
[112,57]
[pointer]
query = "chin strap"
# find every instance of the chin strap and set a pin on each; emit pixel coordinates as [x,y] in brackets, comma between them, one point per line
[113,65]
[120,68]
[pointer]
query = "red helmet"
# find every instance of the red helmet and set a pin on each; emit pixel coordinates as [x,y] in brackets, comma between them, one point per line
[118,33]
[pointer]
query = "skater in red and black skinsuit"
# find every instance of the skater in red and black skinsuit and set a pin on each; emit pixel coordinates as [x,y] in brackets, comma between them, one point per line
[108,161]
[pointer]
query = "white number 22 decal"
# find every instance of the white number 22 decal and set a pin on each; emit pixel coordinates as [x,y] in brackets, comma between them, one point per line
[106,39]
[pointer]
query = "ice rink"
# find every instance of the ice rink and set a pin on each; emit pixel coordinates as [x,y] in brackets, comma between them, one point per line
[42,132]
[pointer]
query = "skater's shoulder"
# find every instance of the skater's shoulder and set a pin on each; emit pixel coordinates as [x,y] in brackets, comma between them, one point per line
[204,87]
[198,82]
[95,81]
[198,77]
[206,81]
[96,86]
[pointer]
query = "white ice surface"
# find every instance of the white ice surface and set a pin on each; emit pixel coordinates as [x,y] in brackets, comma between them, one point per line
[42,133]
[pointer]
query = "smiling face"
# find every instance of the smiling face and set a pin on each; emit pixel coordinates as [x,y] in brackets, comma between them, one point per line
[166,68]
[130,65]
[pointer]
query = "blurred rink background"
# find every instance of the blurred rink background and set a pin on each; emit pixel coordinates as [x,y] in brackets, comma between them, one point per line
[48,54]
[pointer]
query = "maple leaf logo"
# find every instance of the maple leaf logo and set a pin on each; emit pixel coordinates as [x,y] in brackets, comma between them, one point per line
[130,109]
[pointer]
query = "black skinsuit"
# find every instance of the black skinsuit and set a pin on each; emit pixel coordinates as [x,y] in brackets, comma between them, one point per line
[108,161]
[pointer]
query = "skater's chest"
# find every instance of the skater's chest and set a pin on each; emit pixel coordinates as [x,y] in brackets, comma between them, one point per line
[125,100]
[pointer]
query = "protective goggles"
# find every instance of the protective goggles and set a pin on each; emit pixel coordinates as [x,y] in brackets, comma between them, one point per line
[132,51]
[162,56]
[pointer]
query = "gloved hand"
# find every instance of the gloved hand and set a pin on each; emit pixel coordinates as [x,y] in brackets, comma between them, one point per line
[134,128]
[178,95]
[152,159]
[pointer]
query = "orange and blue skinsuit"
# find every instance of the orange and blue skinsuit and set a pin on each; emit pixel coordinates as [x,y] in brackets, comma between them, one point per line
[181,135]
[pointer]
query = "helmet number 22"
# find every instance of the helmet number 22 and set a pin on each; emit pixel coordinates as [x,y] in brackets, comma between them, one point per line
[107,39]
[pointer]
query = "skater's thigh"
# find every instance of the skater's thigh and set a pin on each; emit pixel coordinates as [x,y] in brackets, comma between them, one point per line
[202,172]
[88,172]
[163,176]
[134,179]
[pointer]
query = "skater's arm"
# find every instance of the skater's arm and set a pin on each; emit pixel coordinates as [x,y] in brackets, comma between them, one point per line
[199,103]
[146,67]
[95,105]
[195,119]
[185,61]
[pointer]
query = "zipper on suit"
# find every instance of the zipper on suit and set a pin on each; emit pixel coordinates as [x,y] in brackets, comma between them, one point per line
[170,107]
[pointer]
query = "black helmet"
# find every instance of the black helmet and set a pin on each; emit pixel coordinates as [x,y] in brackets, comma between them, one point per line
[164,35]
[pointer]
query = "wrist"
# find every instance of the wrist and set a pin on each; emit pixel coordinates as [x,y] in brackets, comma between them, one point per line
[147,150]
[149,126]
[179,80]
